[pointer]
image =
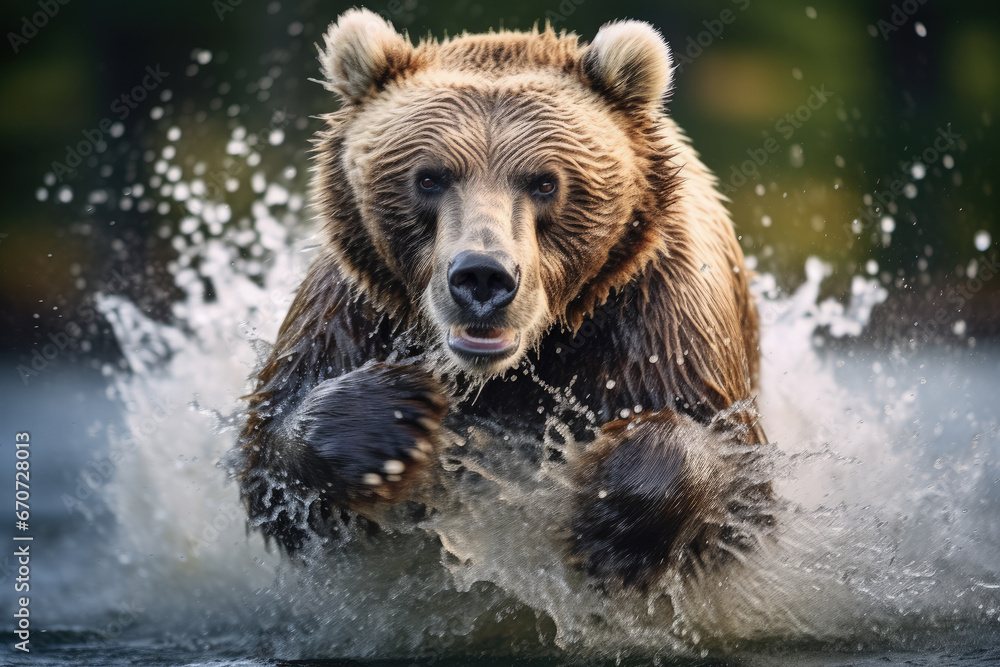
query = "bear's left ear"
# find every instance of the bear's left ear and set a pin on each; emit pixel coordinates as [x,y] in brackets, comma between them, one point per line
[629,62]
[362,52]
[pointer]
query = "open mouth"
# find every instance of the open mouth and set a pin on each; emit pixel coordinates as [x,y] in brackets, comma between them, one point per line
[490,342]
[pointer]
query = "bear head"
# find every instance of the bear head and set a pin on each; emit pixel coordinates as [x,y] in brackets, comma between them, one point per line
[486,188]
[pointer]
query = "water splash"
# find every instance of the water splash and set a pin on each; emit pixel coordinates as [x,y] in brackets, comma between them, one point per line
[887,533]
[878,541]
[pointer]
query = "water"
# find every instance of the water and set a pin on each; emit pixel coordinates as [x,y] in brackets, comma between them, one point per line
[886,551]
[886,464]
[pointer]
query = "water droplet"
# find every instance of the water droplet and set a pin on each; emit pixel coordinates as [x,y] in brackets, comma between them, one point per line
[796,156]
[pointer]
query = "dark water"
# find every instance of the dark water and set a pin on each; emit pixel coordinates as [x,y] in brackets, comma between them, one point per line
[69,648]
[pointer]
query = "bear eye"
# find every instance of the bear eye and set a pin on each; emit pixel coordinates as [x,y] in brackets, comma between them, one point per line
[544,186]
[432,182]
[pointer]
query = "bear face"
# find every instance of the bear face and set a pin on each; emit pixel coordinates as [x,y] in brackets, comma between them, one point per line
[479,187]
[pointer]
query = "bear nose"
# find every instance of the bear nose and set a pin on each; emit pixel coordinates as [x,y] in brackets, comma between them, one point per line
[485,281]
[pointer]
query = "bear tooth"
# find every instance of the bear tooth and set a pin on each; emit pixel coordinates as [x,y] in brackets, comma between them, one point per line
[394,467]
[371,479]
[417,455]
[393,478]
[426,423]
[424,446]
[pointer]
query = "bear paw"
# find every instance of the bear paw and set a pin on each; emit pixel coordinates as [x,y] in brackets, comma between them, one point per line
[369,433]
[638,503]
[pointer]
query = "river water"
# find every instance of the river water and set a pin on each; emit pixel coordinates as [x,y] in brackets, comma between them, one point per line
[886,551]
[886,463]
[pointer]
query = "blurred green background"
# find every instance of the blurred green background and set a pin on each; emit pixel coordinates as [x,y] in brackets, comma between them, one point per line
[897,77]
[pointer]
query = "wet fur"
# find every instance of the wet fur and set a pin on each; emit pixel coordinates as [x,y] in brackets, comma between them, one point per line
[641,265]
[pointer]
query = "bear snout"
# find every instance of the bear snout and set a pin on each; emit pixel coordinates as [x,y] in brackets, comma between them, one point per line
[483,282]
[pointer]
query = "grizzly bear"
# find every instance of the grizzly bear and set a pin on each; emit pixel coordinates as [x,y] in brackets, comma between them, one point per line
[499,203]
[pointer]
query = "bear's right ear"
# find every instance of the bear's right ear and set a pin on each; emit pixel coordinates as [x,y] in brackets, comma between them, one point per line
[362,52]
[629,62]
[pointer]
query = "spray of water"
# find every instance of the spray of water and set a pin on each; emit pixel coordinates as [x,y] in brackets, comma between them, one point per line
[886,530]
[871,545]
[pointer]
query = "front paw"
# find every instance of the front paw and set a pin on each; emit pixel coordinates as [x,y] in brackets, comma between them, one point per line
[368,434]
[636,503]
[667,493]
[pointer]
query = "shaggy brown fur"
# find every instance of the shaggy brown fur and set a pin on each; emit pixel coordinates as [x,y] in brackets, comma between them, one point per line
[556,158]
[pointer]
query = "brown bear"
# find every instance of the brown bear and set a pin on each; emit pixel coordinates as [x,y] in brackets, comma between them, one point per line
[506,201]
